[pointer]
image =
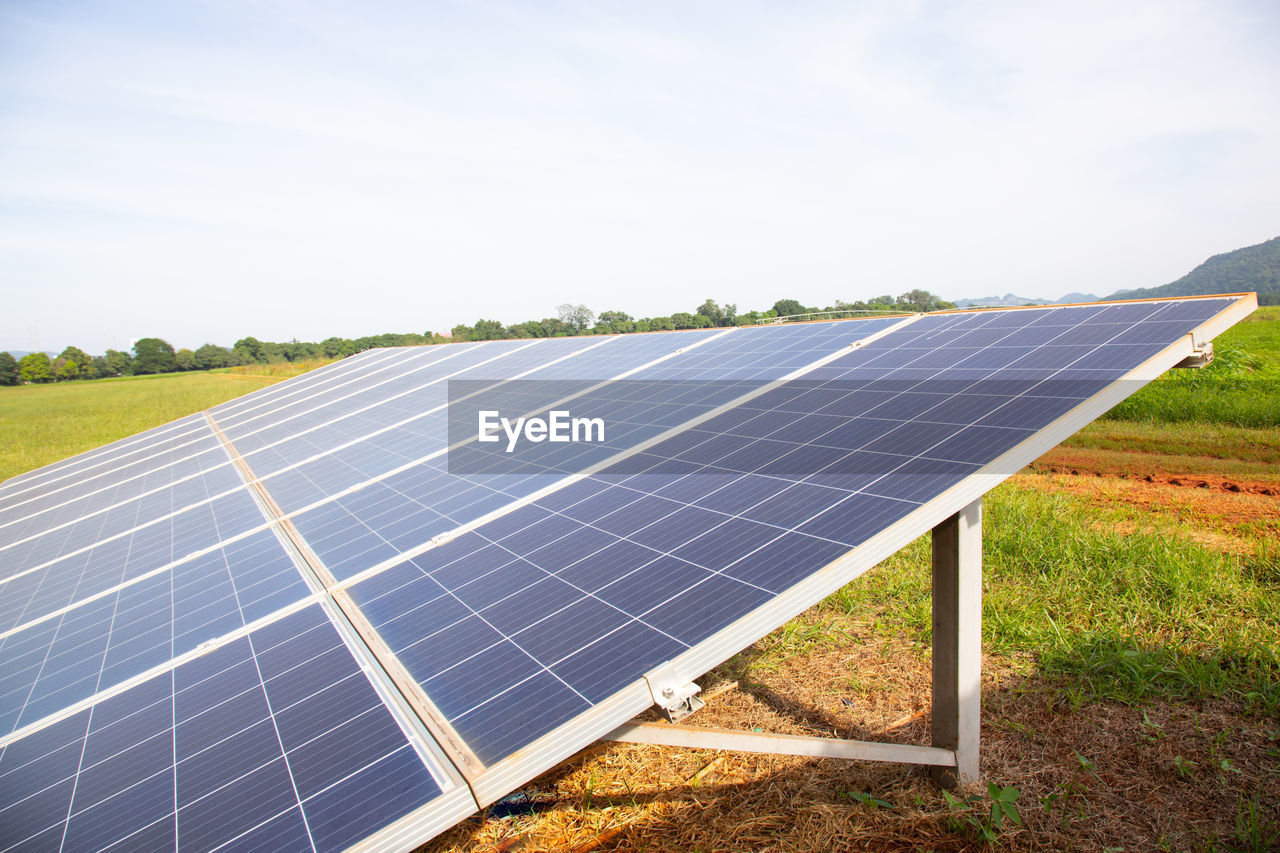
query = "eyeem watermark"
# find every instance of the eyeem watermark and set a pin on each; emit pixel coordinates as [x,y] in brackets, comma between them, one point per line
[558,426]
[845,432]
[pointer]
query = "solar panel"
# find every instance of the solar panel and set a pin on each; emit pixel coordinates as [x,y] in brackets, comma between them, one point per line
[311,616]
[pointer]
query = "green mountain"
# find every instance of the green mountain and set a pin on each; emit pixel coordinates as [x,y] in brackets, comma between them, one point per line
[1255,268]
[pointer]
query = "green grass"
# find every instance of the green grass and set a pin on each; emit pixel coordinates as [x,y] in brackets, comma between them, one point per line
[1196,438]
[1103,614]
[1240,388]
[44,423]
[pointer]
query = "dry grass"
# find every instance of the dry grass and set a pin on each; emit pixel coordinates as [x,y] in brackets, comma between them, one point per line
[283,370]
[1127,792]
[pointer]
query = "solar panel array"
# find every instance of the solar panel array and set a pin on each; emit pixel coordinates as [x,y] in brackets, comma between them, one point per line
[285,623]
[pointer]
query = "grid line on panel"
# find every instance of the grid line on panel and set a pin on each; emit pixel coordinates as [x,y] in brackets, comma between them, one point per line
[463,760]
[335,497]
[427,380]
[924,454]
[570,479]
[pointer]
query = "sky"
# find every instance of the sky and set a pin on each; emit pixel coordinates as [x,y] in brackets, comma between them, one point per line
[205,171]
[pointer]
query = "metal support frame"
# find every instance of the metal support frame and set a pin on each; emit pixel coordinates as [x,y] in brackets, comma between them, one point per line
[957,678]
[1201,356]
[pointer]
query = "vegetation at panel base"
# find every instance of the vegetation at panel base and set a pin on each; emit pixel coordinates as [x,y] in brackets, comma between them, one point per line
[1241,387]
[1106,615]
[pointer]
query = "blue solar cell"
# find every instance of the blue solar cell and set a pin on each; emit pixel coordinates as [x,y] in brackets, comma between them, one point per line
[94,647]
[281,730]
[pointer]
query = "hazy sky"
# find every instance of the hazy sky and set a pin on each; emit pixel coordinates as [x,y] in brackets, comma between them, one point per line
[205,171]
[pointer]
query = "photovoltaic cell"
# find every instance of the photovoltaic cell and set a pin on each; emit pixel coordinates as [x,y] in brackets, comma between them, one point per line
[58,662]
[276,740]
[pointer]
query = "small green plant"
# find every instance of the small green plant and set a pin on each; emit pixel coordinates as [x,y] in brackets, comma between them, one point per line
[1185,769]
[1153,731]
[1254,832]
[871,801]
[967,813]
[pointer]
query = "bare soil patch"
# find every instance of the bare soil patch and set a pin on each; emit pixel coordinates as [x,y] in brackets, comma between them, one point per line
[1189,472]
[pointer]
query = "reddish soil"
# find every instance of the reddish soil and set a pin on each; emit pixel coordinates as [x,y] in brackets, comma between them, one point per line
[1151,468]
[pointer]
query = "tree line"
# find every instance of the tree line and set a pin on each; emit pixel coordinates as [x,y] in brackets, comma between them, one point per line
[155,355]
[581,320]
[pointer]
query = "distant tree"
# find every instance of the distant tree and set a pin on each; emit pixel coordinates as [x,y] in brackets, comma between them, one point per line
[153,355]
[661,324]
[119,363]
[684,320]
[301,350]
[554,327]
[527,329]
[712,312]
[98,368]
[250,349]
[488,330]
[185,359]
[462,333]
[35,367]
[337,347]
[921,300]
[72,363]
[65,368]
[578,318]
[618,322]
[210,356]
[9,369]
[271,353]
[788,307]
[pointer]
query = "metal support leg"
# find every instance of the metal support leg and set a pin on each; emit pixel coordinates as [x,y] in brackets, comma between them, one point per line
[957,678]
[957,642]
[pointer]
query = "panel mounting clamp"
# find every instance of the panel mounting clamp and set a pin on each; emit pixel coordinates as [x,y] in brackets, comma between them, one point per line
[674,698]
[1201,355]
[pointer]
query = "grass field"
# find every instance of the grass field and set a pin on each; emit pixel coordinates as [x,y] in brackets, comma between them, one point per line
[41,424]
[1238,389]
[1131,649]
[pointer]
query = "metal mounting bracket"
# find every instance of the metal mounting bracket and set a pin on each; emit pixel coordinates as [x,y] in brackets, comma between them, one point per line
[952,758]
[674,698]
[1201,357]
